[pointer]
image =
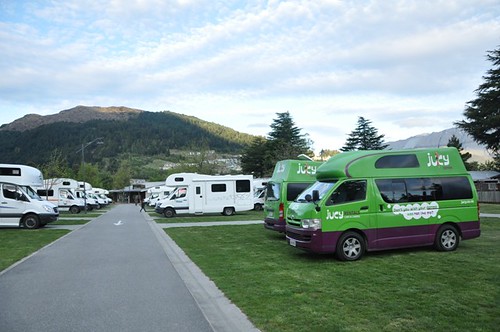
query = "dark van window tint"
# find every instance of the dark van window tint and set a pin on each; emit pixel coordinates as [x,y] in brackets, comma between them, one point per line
[424,189]
[397,161]
[10,171]
[218,188]
[392,191]
[456,188]
[349,191]
[273,191]
[179,179]
[294,189]
[242,186]
[66,183]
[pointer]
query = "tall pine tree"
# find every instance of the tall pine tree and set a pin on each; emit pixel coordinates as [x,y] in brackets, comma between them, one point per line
[285,141]
[364,137]
[455,142]
[483,113]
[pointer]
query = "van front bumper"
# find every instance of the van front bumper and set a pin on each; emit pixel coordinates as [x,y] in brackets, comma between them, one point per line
[48,218]
[312,240]
[275,224]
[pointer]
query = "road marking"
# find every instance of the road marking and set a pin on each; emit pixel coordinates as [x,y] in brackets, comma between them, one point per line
[119,223]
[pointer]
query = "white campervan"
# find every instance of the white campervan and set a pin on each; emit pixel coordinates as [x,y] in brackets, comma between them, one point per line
[88,193]
[19,203]
[199,194]
[157,194]
[102,193]
[61,192]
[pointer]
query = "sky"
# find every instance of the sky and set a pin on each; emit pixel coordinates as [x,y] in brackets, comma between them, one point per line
[408,66]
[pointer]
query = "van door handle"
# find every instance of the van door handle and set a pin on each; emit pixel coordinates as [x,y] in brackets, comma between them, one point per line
[364,208]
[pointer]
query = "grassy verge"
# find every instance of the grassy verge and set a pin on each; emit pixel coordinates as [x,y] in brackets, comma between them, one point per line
[70,222]
[245,215]
[16,244]
[489,208]
[281,288]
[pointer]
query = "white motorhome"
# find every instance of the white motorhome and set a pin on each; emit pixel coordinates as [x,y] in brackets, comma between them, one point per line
[199,194]
[156,194]
[88,193]
[259,187]
[62,192]
[20,205]
[103,193]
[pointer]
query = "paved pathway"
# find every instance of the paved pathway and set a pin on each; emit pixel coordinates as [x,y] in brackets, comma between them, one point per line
[119,272]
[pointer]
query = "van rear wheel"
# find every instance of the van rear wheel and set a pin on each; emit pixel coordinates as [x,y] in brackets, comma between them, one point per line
[228,211]
[31,221]
[350,247]
[447,238]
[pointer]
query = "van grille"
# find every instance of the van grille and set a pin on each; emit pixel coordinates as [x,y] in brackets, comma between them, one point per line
[294,222]
[298,236]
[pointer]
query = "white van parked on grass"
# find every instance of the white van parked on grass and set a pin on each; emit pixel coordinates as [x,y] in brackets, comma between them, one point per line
[62,192]
[156,194]
[19,203]
[199,194]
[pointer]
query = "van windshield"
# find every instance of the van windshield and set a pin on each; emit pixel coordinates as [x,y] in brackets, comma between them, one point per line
[273,191]
[322,187]
[31,193]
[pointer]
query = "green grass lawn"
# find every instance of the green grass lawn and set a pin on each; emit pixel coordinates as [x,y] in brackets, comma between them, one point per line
[15,244]
[281,288]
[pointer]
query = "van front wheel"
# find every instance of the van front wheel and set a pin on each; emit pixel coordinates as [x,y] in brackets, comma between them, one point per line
[31,221]
[169,212]
[74,209]
[447,238]
[350,247]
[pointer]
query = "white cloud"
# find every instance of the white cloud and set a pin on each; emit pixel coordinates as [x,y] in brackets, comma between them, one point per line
[238,63]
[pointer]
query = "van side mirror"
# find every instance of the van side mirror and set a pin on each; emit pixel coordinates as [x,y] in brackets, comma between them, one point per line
[315,197]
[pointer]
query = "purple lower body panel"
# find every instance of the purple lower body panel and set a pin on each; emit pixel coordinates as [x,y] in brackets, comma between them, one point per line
[377,239]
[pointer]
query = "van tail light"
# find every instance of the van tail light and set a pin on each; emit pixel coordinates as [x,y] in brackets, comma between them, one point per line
[281,212]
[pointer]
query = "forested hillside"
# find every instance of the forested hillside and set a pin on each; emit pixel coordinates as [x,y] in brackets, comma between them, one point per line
[147,134]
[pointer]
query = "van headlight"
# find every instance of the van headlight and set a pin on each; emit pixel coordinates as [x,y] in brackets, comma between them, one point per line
[313,224]
[48,208]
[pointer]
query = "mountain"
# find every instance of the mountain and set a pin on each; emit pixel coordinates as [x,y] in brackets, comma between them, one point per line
[441,138]
[79,114]
[32,139]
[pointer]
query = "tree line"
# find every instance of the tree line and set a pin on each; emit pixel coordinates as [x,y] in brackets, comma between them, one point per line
[285,140]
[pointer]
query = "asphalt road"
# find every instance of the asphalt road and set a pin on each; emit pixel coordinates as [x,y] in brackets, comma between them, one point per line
[113,274]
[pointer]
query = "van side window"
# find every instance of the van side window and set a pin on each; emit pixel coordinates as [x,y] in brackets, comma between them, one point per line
[218,187]
[242,186]
[9,191]
[273,191]
[397,161]
[424,189]
[393,191]
[349,191]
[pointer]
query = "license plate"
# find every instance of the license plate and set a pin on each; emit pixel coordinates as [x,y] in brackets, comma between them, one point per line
[293,242]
